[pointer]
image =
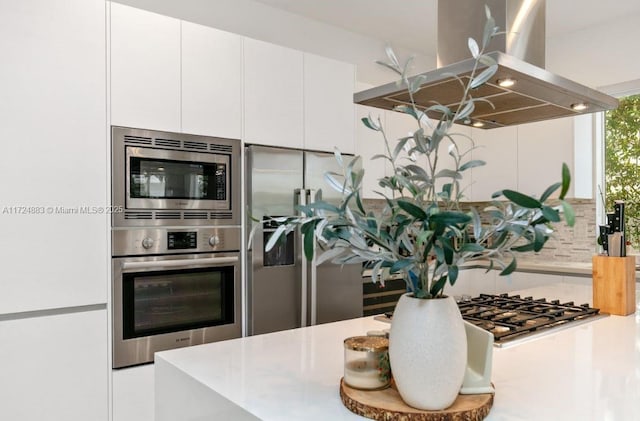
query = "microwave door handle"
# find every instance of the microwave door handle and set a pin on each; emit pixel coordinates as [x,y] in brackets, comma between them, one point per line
[173,264]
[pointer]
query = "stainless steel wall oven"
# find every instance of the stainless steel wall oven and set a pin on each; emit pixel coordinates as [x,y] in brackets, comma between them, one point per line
[176,246]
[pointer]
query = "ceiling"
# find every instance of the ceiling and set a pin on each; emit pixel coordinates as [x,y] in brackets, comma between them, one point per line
[412,23]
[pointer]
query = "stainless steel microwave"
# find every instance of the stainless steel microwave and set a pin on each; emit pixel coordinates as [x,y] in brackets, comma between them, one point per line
[164,178]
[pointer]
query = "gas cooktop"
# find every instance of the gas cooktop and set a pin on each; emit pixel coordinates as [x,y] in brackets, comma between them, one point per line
[514,318]
[510,318]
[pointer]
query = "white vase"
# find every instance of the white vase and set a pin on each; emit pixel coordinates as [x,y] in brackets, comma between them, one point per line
[427,351]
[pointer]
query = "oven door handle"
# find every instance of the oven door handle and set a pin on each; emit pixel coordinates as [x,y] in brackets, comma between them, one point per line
[166,264]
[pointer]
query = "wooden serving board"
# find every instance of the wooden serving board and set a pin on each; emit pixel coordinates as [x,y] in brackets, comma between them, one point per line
[387,405]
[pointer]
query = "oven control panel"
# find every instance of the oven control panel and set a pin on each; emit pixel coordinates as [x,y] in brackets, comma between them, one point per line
[147,241]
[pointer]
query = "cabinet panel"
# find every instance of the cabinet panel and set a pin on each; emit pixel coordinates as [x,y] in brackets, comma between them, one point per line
[211,81]
[328,104]
[499,149]
[145,69]
[55,367]
[273,99]
[542,148]
[369,143]
[133,398]
[53,126]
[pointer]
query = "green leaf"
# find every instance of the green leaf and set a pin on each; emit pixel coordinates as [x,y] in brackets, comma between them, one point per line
[569,213]
[309,240]
[522,199]
[399,265]
[416,83]
[566,180]
[510,268]
[379,156]
[489,30]
[412,209]
[395,68]
[550,213]
[273,238]
[408,110]
[484,76]
[549,191]
[438,286]
[472,248]
[473,47]
[472,164]
[450,218]
[445,172]
[368,121]
[466,111]
[487,61]
[453,274]
[322,205]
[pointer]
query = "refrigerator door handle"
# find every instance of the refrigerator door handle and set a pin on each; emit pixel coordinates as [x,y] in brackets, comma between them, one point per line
[301,196]
[312,196]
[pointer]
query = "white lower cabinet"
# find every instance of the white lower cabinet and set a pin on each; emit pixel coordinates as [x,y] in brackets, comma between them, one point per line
[55,367]
[133,393]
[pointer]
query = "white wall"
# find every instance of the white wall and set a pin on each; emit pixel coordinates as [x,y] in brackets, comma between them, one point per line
[598,56]
[256,20]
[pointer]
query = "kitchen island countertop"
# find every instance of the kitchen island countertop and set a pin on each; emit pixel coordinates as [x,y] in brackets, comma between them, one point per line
[586,372]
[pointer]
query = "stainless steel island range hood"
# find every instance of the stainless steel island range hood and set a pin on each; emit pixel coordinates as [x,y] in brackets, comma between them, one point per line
[521,91]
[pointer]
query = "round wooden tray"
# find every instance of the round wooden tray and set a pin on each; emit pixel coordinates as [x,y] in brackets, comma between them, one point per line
[386,404]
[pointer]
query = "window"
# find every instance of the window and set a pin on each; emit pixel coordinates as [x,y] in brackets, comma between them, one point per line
[622,162]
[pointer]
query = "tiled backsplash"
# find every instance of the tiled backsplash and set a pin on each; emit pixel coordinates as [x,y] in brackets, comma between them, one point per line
[572,244]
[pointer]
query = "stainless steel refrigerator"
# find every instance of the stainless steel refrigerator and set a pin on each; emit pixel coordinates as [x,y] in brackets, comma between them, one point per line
[285,290]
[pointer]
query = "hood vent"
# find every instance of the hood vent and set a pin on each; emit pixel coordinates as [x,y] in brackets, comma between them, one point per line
[536,93]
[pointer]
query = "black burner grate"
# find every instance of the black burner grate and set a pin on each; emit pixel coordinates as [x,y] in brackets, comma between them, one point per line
[512,317]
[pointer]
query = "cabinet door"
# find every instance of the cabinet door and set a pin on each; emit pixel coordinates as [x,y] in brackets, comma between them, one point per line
[328,104]
[145,69]
[133,398]
[55,367]
[211,81]
[369,143]
[542,148]
[499,149]
[273,101]
[53,161]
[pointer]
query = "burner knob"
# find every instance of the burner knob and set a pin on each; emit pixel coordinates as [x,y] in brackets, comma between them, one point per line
[214,240]
[147,243]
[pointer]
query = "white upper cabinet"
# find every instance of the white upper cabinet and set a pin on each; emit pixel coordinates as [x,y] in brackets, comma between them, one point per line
[542,148]
[211,81]
[53,158]
[328,104]
[273,95]
[145,69]
[499,149]
[369,143]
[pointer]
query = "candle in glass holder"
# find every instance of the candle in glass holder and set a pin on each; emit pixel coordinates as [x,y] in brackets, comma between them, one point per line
[366,362]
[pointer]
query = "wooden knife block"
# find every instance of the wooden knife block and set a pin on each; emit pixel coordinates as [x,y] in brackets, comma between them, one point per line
[614,284]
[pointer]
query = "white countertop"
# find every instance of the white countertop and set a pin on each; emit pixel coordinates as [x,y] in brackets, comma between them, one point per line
[587,372]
